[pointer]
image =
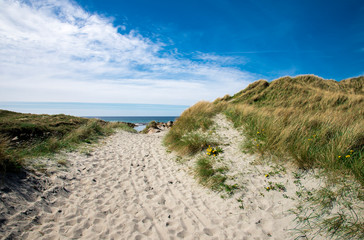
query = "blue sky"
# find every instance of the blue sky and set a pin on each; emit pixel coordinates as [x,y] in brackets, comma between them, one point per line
[271,38]
[169,52]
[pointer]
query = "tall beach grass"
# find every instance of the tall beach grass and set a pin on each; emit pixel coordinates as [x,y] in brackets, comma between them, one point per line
[308,120]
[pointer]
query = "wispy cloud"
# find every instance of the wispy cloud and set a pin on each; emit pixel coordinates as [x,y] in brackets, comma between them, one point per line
[54,50]
[213,58]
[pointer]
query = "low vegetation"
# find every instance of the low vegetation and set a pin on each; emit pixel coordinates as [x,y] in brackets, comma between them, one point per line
[306,120]
[208,175]
[189,134]
[151,124]
[317,122]
[213,177]
[332,211]
[24,136]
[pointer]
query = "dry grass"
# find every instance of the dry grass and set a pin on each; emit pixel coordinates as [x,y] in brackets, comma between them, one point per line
[7,161]
[187,136]
[317,122]
[313,122]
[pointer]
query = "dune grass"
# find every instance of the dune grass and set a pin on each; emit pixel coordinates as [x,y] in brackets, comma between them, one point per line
[208,175]
[26,136]
[312,122]
[189,133]
[329,138]
[316,122]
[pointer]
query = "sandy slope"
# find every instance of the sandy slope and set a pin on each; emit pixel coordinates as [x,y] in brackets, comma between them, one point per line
[131,188]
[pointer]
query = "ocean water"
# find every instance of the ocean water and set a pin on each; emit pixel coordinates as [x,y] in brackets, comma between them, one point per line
[141,122]
[137,120]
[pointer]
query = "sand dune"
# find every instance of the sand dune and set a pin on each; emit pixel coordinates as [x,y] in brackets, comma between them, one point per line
[131,188]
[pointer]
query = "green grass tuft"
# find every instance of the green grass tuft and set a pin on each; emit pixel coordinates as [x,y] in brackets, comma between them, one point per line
[208,175]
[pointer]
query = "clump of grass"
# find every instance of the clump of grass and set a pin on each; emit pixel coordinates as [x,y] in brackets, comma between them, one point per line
[120,125]
[151,124]
[187,135]
[208,175]
[62,162]
[8,162]
[213,177]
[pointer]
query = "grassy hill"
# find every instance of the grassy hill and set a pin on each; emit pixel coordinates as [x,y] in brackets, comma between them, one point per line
[316,122]
[24,136]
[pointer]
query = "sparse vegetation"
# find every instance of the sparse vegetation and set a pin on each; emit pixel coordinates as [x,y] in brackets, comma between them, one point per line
[213,177]
[208,175]
[29,135]
[330,211]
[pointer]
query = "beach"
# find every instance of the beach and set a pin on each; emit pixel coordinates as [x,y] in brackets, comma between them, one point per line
[131,187]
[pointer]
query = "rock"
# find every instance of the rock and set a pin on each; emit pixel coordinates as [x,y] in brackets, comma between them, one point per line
[156,127]
[153,130]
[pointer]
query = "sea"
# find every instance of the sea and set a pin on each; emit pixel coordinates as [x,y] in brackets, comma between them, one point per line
[140,121]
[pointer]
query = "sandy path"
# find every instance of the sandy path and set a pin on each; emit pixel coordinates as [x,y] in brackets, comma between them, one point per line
[130,188]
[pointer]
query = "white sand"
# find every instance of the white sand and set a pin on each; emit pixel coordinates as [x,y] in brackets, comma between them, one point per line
[131,188]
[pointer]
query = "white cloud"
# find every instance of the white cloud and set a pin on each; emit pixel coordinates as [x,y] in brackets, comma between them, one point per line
[53,50]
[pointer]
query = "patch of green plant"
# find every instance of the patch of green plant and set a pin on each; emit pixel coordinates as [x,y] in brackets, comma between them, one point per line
[191,128]
[241,203]
[333,212]
[181,160]
[230,189]
[208,175]
[213,152]
[8,162]
[275,186]
[192,143]
[151,124]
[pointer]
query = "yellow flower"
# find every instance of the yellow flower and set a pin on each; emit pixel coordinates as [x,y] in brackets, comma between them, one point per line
[266,175]
[309,139]
[214,155]
[351,151]
[267,188]
[258,132]
[347,156]
[339,156]
[314,135]
[258,145]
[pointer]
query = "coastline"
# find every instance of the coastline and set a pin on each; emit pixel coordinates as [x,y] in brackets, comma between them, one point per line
[139,123]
